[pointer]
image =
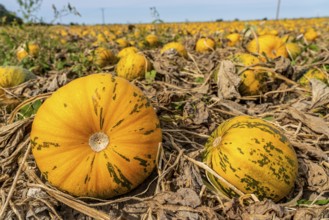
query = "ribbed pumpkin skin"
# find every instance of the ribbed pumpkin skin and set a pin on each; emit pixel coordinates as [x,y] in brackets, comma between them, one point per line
[254,156]
[96,103]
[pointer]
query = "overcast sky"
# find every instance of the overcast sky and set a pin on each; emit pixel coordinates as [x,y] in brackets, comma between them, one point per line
[138,11]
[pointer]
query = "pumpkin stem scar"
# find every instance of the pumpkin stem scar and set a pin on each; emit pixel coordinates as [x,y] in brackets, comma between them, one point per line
[98,141]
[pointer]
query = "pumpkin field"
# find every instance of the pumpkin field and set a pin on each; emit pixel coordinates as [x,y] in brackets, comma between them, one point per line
[194,120]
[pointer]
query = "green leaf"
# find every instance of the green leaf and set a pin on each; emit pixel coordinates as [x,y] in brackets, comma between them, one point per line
[60,65]
[326,66]
[317,202]
[314,47]
[268,118]
[150,76]
[178,105]
[199,79]
[29,109]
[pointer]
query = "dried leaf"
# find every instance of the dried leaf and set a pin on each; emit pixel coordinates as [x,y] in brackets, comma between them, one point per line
[12,134]
[282,65]
[320,93]
[196,112]
[310,213]
[316,124]
[227,80]
[36,193]
[263,210]
[309,150]
[317,177]
[56,82]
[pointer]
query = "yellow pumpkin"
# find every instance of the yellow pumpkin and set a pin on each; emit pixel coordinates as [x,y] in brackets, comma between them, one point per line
[233,39]
[294,50]
[122,42]
[31,49]
[313,73]
[204,44]
[178,47]
[254,156]
[271,45]
[133,66]
[21,53]
[125,51]
[101,38]
[103,56]
[311,35]
[287,38]
[13,76]
[252,80]
[97,136]
[152,40]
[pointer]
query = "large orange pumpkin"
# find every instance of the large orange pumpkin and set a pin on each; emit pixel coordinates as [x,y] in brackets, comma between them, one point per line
[97,136]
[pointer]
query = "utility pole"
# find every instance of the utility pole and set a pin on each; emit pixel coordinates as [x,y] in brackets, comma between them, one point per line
[278,10]
[103,17]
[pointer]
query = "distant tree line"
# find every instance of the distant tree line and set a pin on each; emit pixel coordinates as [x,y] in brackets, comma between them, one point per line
[7,17]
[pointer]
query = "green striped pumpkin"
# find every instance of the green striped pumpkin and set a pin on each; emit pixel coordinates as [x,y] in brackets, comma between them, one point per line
[252,155]
[97,136]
